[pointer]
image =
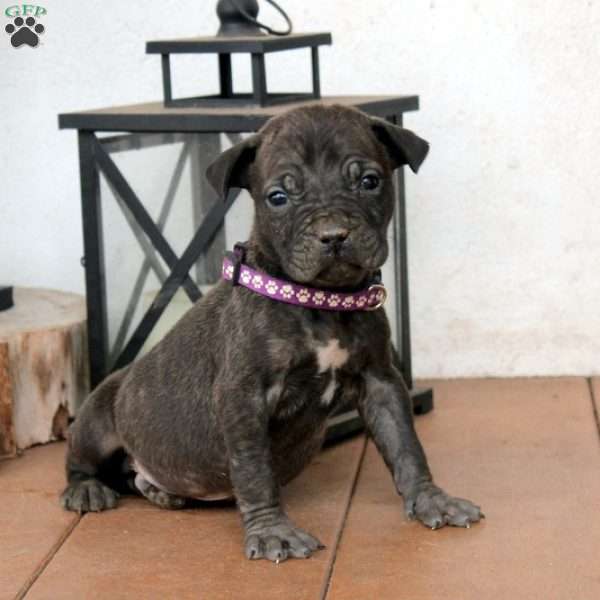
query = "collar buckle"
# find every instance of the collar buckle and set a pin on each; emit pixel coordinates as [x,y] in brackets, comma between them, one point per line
[237,257]
[378,291]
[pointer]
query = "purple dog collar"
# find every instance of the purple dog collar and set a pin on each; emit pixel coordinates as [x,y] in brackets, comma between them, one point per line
[370,298]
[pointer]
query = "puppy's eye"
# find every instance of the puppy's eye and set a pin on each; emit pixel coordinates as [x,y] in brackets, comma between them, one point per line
[369,182]
[277,198]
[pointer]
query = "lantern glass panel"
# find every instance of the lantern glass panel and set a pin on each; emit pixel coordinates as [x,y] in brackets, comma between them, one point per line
[166,174]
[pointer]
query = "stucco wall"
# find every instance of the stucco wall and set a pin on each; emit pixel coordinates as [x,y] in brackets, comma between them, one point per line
[504,220]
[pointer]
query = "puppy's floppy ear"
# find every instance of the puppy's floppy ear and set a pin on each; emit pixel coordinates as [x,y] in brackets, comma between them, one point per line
[230,169]
[403,146]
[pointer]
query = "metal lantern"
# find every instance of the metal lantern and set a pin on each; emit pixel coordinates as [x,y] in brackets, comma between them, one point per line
[154,241]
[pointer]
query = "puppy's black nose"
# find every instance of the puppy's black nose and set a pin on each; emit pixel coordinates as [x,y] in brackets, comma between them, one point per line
[333,235]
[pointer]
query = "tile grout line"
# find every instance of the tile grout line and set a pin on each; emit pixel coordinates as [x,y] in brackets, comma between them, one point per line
[594,405]
[48,558]
[329,571]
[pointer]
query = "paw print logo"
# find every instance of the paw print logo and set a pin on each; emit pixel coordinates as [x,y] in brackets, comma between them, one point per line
[24,32]
[348,302]
[287,291]
[245,277]
[271,287]
[257,282]
[303,295]
[361,301]
[228,271]
[319,298]
[334,300]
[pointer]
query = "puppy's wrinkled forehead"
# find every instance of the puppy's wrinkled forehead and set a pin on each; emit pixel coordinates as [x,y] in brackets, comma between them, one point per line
[317,136]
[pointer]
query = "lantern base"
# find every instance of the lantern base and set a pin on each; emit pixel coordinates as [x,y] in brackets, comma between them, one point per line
[422,400]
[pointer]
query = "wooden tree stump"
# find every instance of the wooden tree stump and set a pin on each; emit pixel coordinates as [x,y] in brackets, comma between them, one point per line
[43,367]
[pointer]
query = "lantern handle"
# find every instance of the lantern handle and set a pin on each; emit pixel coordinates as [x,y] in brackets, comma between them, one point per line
[268,29]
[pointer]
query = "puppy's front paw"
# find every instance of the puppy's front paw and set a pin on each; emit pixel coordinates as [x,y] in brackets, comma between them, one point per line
[279,542]
[434,508]
[89,495]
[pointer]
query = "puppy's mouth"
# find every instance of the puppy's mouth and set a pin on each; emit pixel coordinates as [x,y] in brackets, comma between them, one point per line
[340,274]
[332,272]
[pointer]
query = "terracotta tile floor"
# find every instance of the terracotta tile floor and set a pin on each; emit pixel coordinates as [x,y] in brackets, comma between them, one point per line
[527,450]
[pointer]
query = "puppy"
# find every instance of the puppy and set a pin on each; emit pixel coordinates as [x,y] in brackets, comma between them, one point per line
[233,402]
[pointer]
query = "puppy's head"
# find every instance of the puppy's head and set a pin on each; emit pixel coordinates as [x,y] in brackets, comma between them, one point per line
[321,179]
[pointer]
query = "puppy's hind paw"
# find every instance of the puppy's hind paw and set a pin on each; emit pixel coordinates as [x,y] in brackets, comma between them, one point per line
[158,496]
[89,495]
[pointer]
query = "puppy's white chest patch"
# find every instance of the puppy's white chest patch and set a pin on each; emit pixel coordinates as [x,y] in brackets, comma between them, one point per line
[331,356]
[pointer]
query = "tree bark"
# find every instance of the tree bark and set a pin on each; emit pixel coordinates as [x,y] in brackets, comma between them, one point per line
[43,367]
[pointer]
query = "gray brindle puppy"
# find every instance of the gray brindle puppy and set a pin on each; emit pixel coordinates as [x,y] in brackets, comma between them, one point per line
[233,402]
